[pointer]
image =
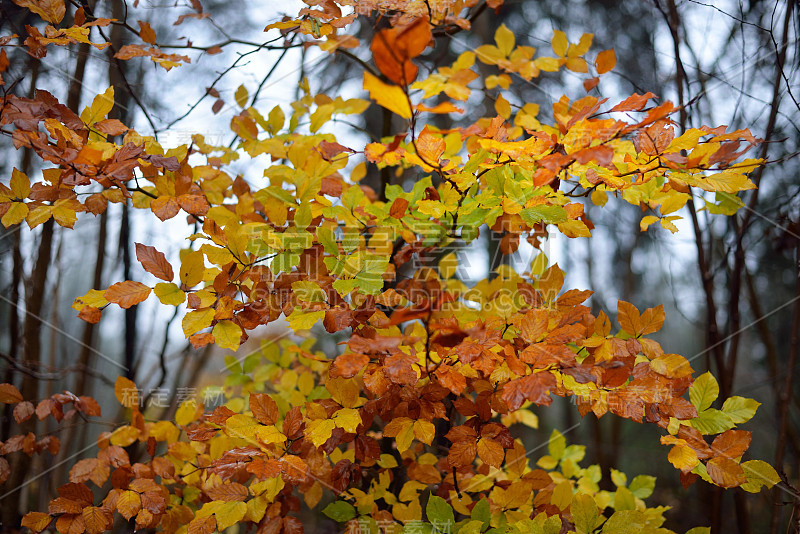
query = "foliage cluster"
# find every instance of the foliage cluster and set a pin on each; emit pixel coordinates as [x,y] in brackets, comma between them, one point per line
[410,426]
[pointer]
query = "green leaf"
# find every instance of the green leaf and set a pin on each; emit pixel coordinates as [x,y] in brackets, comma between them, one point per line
[548,214]
[703,391]
[440,513]
[624,499]
[625,522]
[557,444]
[482,512]
[699,530]
[712,421]
[618,478]
[344,287]
[642,486]
[584,513]
[327,239]
[169,294]
[758,474]
[340,511]
[740,409]
[303,320]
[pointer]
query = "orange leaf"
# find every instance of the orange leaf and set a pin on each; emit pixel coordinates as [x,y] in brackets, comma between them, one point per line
[154,262]
[129,503]
[399,207]
[651,320]
[36,521]
[731,443]
[127,293]
[50,10]
[429,147]
[111,127]
[146,33]
[90,314]
[348,365]
[635,102]
[126,392]
[491,452]
[725,472]
[264,409]
[9,394]
[628,317]
[605,61]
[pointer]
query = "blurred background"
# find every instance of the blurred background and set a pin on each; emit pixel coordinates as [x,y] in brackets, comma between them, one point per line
[730,285]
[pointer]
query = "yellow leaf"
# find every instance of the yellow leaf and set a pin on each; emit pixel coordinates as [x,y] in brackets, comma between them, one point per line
[241,95]
[502,107]
[683,458]
[672,366]
[319,430]
[227,335]
[15,214]
[560,43]
[124,435]
[20,184]
[424,431]
[269,434]
[388,96]
[547,64]
[169,294]
[126,392]
[100,107]
[229,513]
[645,223]
[38,215]
[194,321]
[759,474]
[192,267]
[504,39]
[347,419]
[186,412]
[256,507]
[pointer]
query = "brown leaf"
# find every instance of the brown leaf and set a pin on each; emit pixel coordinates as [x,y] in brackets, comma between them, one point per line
[725,472]
[231,491]
[491,452]
[23,411]
[399,207]
[5,470]
[36,521]
[731,443]
[348,365]
[263,468]
[165,207]
[202,525]
[264,409]
[154,262]
[147,33]
[217,106]
[329,150]
[9,394]
[90,314]
[96,519]
[127,294]
[111,127]
[399,369]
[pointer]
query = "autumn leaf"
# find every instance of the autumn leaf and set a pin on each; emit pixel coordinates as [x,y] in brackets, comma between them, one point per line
[264,409]
[126,392]
[9,394]
[388,96]
[154,262]
[127,294]
[605,61]
[50,10]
